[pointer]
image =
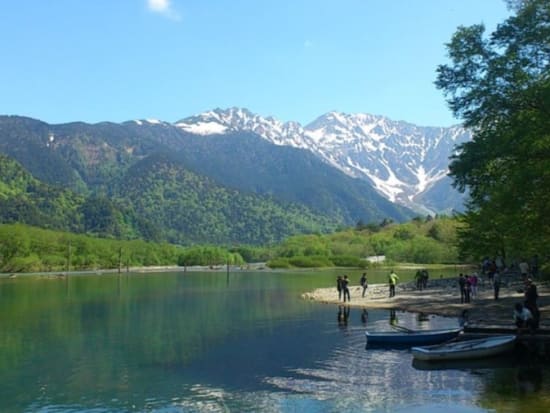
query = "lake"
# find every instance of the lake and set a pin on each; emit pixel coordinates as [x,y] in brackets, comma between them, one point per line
[218,342]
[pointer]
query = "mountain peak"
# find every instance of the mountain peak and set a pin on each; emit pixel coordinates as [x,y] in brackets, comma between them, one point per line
[221,121]
[402,160]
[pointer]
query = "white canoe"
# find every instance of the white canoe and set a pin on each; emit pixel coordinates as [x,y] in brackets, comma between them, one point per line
[467,349]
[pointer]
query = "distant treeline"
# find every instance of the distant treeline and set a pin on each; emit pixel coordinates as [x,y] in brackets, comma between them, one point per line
[28,249]
[422,240]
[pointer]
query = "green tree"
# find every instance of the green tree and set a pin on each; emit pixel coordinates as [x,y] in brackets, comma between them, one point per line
[500,86]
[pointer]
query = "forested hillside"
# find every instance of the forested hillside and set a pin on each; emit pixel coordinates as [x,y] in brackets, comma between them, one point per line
[194,209]
[116,180]
[24,199]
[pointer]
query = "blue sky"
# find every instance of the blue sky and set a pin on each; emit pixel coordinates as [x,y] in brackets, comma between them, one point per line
[117,60]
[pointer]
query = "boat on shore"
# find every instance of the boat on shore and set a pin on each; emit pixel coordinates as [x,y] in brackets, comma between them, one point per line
[406,337]
[466,349]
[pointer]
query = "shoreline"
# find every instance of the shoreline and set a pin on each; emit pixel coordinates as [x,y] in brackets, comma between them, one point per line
[139,270]
[442,297]
[256,266]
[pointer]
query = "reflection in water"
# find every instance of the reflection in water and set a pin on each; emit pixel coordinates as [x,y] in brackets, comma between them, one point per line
[364,316]
[393,318]
[529,379]
[422,317]
[343,315]
[352,379]
[192,343]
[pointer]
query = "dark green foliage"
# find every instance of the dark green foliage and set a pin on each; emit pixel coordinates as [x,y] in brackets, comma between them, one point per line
[24,199]
[28,141]
[500,86]
[99,216]
[194,209]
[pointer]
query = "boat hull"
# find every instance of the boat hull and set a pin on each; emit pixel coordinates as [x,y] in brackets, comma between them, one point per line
[467,349]
[413,338]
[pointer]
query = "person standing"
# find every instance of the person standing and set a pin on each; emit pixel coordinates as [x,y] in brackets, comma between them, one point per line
[425,278]
[473,284]
[523,318]
[524,269]
[496,284]
[392,280]
[462,287]
[345,288]
[364,283]
[467,289]
[531,296]
[418,279]
[339,283]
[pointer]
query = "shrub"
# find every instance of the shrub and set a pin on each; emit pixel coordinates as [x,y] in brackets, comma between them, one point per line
[348,261]
[278,263]
[30,263]
[311,261]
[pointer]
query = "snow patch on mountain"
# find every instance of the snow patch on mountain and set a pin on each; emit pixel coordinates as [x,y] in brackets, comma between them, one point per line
[203,128]
[400,159]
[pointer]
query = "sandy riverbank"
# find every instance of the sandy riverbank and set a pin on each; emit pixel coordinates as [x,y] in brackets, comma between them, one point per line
[442,297]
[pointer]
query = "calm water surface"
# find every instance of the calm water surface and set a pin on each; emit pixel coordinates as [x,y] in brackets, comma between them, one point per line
[212,342]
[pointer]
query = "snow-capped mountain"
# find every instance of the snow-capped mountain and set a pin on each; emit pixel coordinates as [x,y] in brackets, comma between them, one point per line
[220,121]
[404,162]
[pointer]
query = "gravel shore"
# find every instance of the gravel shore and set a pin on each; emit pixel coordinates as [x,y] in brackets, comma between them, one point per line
[442,297]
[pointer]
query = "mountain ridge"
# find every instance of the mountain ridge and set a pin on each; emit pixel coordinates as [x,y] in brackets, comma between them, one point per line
[401,160]
[255,191]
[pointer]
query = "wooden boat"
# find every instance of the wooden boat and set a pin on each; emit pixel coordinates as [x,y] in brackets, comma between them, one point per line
[467,349]
[406,337]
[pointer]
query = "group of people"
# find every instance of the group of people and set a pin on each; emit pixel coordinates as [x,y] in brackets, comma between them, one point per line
[526,314]
[467,284]
[342,285]
[497,265]
[421,277]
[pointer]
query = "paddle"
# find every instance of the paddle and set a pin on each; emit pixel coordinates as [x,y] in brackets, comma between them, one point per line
[405,329]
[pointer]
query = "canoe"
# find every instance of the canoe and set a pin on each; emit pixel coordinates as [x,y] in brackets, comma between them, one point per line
[467,349]
[411,337]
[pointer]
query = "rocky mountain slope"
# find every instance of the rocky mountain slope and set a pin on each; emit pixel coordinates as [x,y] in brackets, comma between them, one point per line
[406,163]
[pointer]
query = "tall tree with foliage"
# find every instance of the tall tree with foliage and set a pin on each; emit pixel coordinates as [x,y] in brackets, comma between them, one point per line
[500,86]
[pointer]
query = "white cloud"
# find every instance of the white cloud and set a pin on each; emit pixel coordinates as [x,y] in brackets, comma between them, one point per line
[163,7]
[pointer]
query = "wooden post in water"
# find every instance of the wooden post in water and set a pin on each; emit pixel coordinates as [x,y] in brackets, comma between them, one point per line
[227,269]
[119,259]
[69,260]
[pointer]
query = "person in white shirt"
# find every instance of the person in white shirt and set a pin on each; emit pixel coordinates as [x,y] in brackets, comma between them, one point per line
[523,318]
